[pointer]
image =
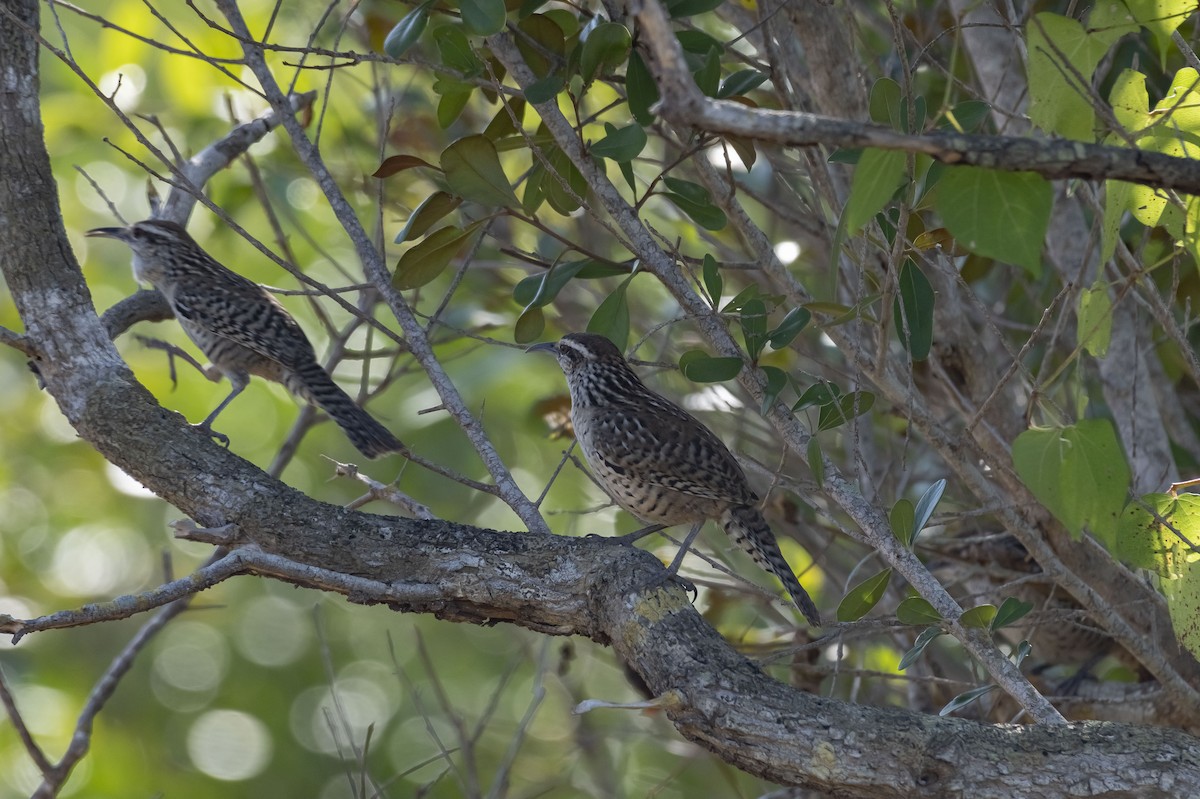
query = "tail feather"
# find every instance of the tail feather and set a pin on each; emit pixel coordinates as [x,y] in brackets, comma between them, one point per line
[750,531]
[367,435]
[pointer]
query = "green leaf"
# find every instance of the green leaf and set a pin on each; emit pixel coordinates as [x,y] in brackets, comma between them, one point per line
[846,408]
[923,640]
[700,367]
[456,51]
[611,319]
[540,290]
[1093,326]
[606,47]
[545,89]
[564,199]
[1161,17]
[860,599]
[530,325]
[542,44]
[816,460]
[426,260]
[926,505]
[1011,610]
[740,82]
[483,17]
[817,394]
[679,9]
[917,610]
[473,172]
[535,189]
[693,199]
[902,521]
[713,283]
[789,327]
[965,698]
[979,617]
[1060,49]
[878,174]
[1001,215]
[1183,604]
[1078,472]
[708,76]
[620,144]
[753,321]
[640,89]
[431,209]
[913,311]
[407,31]
[777,381]
[1153,532]
[697,42]
[507,120]
[454,98]
[885,103]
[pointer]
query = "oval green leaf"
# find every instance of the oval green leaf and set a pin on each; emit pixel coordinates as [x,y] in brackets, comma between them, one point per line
[431,209]
[913,311]
[700,367]
[621,144]
[741,82]
[640,88]
[901,519]
[979,617]
[606,48]
[793,322]
[923,640]
[860,599]
[473,172]
[407,31]
[426,260]
[917,611]
[1011,610]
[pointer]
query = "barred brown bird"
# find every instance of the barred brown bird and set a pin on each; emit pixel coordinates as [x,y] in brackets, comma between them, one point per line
[241,328]
[659,462]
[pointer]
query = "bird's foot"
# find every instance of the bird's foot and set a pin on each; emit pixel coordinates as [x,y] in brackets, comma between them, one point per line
[629,539]
[172,352]
[220,438]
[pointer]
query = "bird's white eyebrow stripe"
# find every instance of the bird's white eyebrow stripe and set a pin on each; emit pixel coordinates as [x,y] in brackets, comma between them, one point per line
[582,350]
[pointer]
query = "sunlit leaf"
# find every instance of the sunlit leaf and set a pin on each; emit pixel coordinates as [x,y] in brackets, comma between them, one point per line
[1093,328]
[1078,472]
[902,521]
[456,51]
[878,174]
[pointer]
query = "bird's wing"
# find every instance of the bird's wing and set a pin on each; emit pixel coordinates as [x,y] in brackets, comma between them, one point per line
[668,447]
[245,313]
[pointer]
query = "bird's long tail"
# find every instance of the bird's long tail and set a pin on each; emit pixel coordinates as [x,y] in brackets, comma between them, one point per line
[750,531]
[314,384]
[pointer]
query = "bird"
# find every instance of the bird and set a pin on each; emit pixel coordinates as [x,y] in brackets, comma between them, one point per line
[659,462]
[241,328]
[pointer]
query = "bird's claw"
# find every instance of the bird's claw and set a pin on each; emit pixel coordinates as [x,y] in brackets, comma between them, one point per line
[220,438]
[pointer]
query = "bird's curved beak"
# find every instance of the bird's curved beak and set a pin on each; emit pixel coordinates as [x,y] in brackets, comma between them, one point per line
[108,233]
[545,346]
